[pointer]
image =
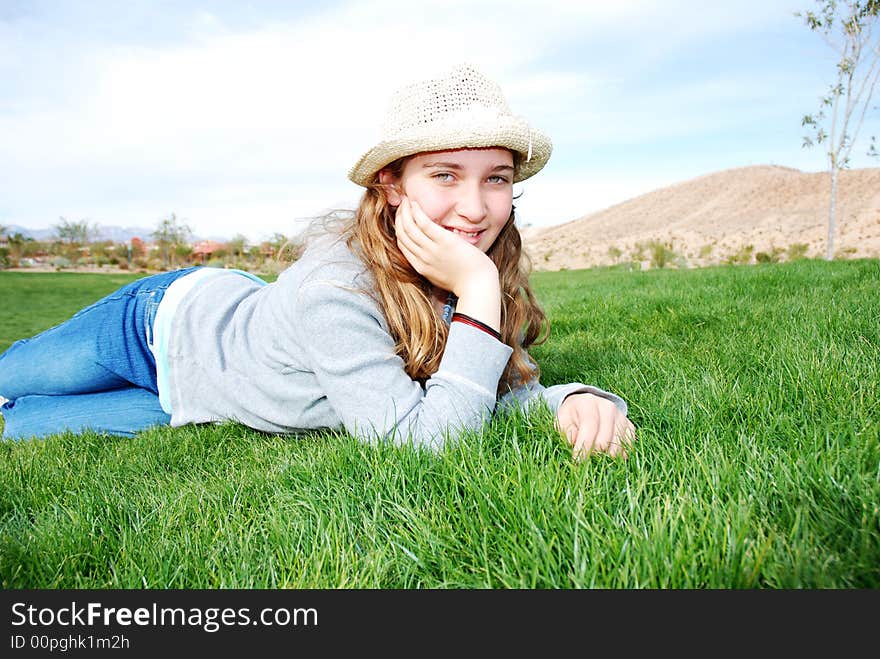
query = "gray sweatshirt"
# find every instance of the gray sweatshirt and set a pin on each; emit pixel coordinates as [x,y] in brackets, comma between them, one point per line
[313,350]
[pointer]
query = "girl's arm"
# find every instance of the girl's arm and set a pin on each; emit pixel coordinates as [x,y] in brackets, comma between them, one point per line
[347,345]
[592,419]
[555,395]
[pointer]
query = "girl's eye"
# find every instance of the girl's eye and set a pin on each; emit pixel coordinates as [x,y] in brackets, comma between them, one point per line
[443,177]
[498,179]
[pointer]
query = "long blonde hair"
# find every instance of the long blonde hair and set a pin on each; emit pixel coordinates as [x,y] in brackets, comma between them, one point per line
[405,296]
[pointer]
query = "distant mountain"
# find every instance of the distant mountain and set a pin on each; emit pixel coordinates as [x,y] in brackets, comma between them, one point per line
[123,234]
[115,233]
[36,234]
[712,218]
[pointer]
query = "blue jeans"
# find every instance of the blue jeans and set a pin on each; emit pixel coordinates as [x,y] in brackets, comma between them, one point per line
[95,371]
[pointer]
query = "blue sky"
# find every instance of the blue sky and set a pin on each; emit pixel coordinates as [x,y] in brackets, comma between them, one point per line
[244,117]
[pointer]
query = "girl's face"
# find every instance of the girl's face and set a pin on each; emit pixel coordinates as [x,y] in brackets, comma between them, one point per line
[466,191]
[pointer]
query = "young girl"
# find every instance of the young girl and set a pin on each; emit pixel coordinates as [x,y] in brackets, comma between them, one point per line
[409,323]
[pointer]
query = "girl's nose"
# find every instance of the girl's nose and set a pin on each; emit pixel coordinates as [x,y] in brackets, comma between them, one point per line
[470,204]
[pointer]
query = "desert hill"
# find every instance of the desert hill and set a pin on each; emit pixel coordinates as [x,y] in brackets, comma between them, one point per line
[714,218]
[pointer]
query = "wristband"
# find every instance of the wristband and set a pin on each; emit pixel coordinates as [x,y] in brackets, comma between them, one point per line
[473,322]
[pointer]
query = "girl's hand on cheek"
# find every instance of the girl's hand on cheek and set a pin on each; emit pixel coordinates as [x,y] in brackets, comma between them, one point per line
[446,260]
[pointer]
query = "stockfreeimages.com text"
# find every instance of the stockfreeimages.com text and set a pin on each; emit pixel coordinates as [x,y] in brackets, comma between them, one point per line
[210,619]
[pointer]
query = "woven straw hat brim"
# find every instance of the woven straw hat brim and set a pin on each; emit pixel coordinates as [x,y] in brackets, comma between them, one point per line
[505,132]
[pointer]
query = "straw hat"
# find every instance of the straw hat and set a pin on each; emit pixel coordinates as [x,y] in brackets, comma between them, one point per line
[462,109]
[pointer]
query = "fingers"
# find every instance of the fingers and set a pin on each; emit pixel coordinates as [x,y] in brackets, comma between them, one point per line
[417,232]
[404,235]
[420,221]
[618,442]
[408,253]
[588,428]
[596,425]
[412,241]
[406,228]
[414,221]
[428,228]
[598,431]
[622,434]
[423,230]
[628,434]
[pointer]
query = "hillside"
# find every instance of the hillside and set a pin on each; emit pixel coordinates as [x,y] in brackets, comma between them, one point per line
[716,217]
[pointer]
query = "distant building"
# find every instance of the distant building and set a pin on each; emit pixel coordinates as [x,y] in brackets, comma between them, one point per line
[205,249]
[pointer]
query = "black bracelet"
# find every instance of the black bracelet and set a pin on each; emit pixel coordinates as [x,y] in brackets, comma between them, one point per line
[473,322]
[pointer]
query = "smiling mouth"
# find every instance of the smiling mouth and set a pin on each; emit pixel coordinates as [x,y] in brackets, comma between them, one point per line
[466,234]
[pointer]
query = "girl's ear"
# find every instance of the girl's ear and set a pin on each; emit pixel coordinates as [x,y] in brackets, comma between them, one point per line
[391,185]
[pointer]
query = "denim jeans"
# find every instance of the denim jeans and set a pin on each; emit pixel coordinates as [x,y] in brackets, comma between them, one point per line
[95,371]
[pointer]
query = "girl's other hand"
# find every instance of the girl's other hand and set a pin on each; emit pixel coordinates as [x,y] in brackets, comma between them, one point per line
[594,424]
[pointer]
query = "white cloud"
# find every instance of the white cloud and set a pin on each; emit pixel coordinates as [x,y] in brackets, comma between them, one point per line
[248,129]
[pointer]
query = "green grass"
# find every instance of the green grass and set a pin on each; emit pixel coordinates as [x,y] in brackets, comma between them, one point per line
[33,301]
[757,465]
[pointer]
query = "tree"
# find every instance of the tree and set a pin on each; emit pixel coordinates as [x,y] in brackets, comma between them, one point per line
[137,247]
[170,235]
[849,28]
[278,241]
[74,233]
[237,246]
[283,248]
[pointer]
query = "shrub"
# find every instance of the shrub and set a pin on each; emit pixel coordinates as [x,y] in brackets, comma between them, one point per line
[59,262]
[661,253]
[638,252]
[772,256]
[796,251]
[741,256]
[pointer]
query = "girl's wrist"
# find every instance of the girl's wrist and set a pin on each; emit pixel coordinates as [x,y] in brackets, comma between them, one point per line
[482,304]
[479,283]
[458,317]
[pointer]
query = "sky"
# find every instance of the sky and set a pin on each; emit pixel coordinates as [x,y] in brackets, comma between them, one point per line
[244,117]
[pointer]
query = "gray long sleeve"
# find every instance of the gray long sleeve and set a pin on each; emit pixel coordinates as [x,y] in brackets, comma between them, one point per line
[313,350]
[366,384]
[554,395]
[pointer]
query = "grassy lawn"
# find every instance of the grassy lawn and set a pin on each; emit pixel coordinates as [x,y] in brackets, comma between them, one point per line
[754,390]
[34,301]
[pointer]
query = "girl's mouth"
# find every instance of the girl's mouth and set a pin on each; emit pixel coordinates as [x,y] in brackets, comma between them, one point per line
[465,234]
